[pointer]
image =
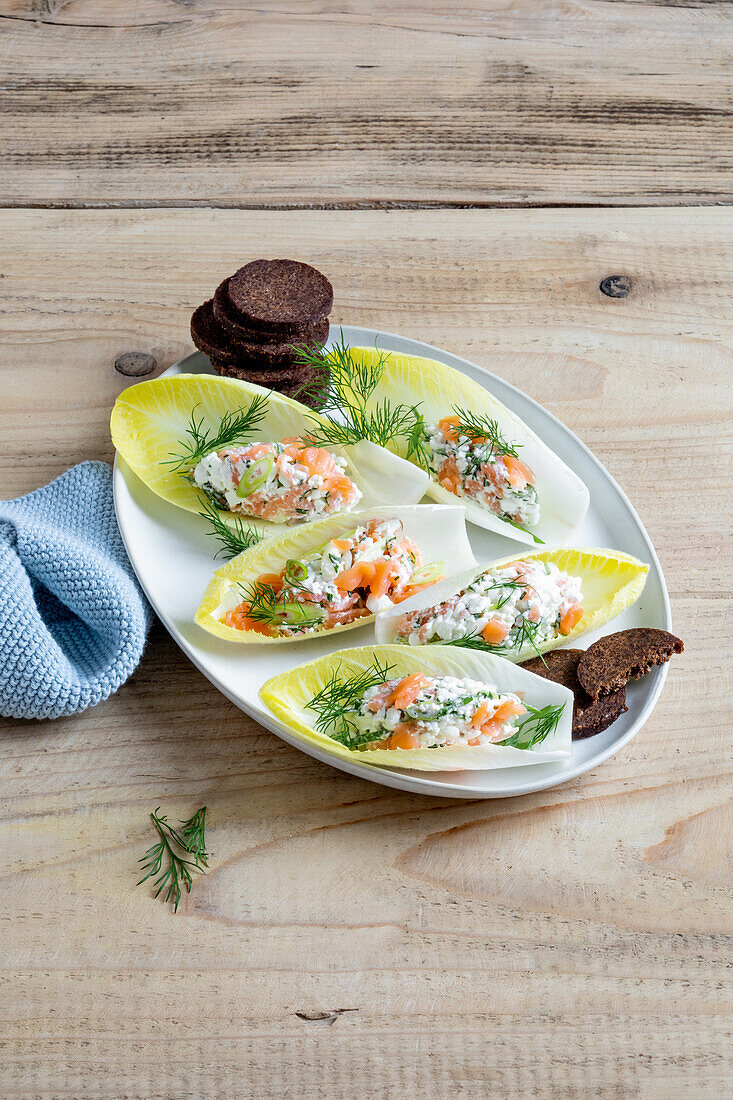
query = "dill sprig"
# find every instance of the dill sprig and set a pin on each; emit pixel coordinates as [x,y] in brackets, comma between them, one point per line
[526,631]
[194,833]
[279,609]
[233,539]
[345,417]
[339,695]
[234,425]
[179,870]
[484,429]
[513,523]
[537,725]
[526,635]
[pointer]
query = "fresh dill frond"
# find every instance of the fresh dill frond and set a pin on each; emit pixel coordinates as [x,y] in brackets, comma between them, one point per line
[484,429]
[474,640]
[345,416]
[418,450]
[263,603]
[513,523]
[535,727]
[233,427]
[194,833]
[526,635]
[340,695]
[233,539]
[179,870]
[280,609]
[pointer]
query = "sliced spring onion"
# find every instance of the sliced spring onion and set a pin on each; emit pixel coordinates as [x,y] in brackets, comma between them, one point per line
[429,574]
[300,614]
[295,571]
[255,476]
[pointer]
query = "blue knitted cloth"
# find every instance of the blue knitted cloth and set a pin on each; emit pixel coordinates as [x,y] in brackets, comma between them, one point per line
[72,617]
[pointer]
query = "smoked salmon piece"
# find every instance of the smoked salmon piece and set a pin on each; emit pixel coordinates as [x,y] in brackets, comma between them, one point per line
[494,632]
[518,473]
[408,690]
[571,618]
[405,736]
[492,726]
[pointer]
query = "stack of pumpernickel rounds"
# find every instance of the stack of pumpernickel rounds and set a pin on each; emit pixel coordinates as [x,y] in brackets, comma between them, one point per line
[257,319]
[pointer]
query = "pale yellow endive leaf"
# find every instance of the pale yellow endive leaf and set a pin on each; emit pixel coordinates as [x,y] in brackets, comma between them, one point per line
[287,695]
[149,422]
[439,533]
[611,582]
[437,388]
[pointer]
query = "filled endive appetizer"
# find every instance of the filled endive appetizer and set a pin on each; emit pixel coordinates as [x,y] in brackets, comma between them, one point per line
[432,710]
[334,574]
[521,606]
[474,449]
[288,482]
[201,440]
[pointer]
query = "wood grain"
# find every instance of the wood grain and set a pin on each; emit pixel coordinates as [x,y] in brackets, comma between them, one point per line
[363,102]
[352,940]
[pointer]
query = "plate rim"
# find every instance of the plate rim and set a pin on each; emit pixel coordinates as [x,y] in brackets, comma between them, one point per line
[419,783]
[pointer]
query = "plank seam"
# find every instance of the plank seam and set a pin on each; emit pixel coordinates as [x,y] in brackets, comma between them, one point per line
[377,204]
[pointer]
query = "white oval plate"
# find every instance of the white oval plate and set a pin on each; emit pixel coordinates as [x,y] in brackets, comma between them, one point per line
[173,558]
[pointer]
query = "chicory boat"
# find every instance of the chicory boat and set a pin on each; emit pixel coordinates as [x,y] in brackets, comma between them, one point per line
[432,709]
[198,438]
[334,574]
[479,452]
[519,606]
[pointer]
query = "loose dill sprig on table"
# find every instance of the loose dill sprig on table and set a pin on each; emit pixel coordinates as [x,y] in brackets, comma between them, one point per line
[341,694]
[352,384]
[173,842]
[485,429]
[234,425]
[194,833]
[537,725]
[233,539]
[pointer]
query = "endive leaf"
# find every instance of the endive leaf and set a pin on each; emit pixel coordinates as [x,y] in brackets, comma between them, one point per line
[437,390]
[439,533]
[611,582]
[149,422]
[287,695]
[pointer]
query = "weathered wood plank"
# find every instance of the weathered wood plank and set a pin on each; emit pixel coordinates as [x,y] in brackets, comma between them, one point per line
[350,939]
[361,103]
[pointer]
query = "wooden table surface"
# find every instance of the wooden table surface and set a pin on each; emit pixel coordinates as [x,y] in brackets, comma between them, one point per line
[350,940]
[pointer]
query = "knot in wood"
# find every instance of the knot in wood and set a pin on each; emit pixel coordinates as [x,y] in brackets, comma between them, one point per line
[135,364]
[616,286]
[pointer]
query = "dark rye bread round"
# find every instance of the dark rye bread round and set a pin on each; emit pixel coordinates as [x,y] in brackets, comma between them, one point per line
[311,334]
[212,338]
[208,336]
[281,295]
[304,387]
[612,661]
[255,373]
[589,716]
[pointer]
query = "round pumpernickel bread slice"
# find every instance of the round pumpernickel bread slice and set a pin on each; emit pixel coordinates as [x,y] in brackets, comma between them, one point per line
[589,716]
[612,661]
[304,387]
[243,365]
[312,334]
[208,335]
[213,339]
[280,294]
